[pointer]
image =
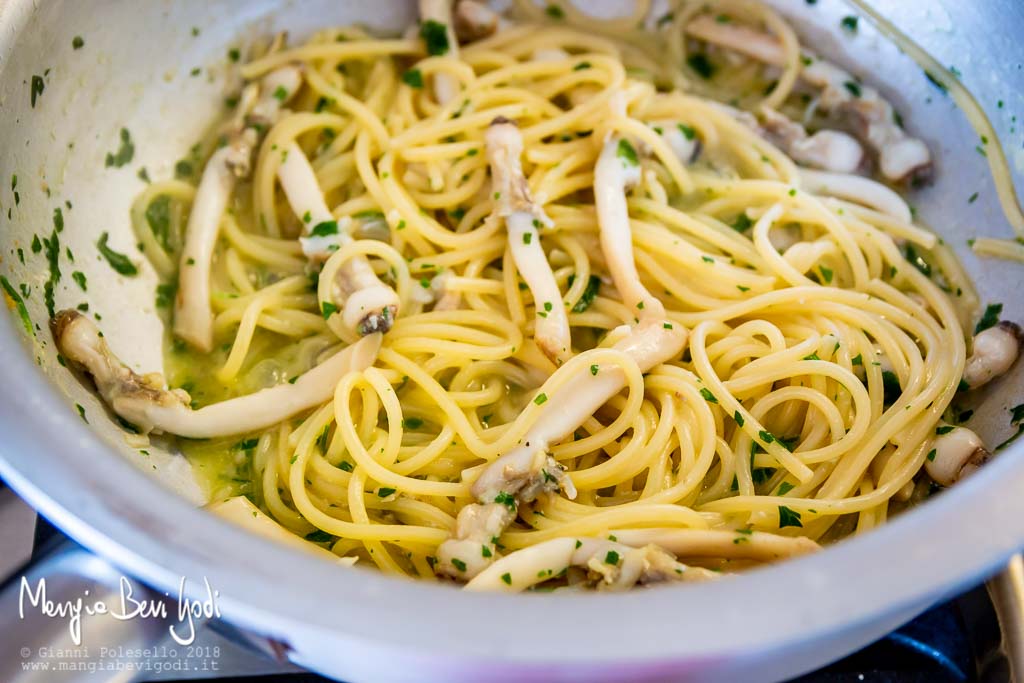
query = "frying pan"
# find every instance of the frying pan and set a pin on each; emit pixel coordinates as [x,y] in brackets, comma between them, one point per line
[140,512]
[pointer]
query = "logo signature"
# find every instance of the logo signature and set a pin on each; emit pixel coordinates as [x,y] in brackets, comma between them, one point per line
[127,606]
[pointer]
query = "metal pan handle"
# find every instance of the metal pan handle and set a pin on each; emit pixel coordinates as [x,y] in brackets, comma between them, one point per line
[1007,592]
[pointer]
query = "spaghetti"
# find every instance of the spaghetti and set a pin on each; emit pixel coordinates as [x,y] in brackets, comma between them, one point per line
[813,360]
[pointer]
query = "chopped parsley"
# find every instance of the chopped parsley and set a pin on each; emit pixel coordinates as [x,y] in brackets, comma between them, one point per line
[435,37]
[77,43]
[917,260]
[19,305]
[700,63]
[247,444]
[612,558]
[52,247]
[158,217]
[589,293]
[384,492]
[627,153]
[507,578]
[413,78]
[183,169]
[853,88]
[784,488]
[936,82]
[324,228]
[327,309]
[766,436]
[788,517]
[541,398]
[857,360]
[708,396]
[506,499]
[738,417]
[849,23]
[319,536]
[527,237]
[124,154]
[554,11]
[931,455]
[891,388]
[944,429]
[594,369]
[742,222]
[165,294]
[688,131]
[79,278]
[118,261]
[485,551]
[36,88]
[458,564]
[412,423]
[58,219]
[280,93]
[990,318]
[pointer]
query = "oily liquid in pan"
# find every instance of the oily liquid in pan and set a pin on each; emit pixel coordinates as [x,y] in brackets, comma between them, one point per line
[811,386]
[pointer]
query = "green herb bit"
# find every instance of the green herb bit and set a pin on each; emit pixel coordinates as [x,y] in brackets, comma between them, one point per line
[124,154]
[700,63]
[589,293]
[36,89]
[627,153]
[324,229]
[990,318]
[165,294]
[19,305]
[506,499]
[554,11]
[118,261]
[788,517]
[435,37]
[413,78]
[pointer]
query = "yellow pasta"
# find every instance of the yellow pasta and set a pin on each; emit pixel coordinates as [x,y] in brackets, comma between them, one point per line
[807,396]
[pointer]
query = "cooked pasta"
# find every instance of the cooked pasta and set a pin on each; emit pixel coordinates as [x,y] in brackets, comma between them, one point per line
[575,258]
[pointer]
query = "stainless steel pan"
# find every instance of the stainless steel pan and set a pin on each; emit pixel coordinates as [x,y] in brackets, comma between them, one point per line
[140,512]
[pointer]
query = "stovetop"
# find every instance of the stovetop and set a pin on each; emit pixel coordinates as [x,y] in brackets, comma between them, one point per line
[957,641]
